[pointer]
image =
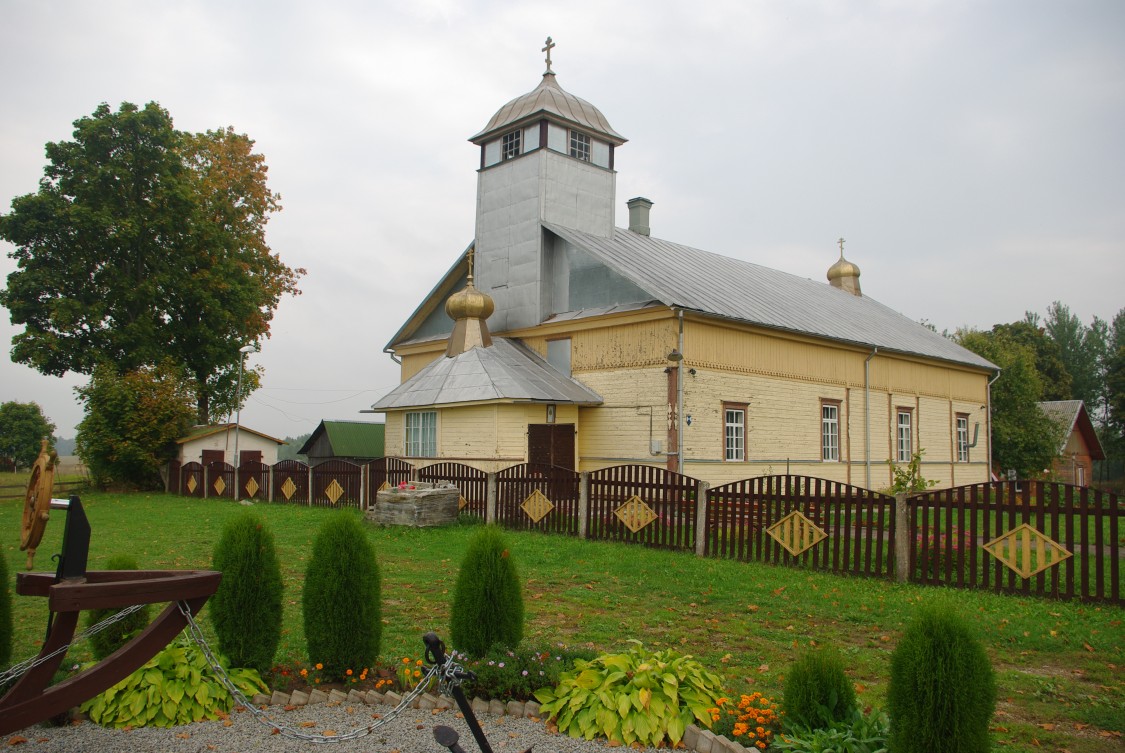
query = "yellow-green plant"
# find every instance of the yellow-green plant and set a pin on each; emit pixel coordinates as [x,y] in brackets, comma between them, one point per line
[177,686]
[635,697]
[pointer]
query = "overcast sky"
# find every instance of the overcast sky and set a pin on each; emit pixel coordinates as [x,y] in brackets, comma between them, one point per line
[971,153]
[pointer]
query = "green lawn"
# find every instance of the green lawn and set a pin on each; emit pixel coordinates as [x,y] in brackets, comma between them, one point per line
[1060,666]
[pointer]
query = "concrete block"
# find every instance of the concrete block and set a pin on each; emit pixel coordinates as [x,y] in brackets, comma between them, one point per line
[691,736]
[480,706]
[445,702]
[531,709]
[317,696]
[513,708]
[260,700]
[373,698]
[706,742]
[354,696]
[298,698]
[337,696]
[391,698]
[279,699]
[495,707]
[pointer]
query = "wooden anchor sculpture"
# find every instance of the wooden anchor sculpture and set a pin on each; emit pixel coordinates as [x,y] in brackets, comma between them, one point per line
[72,589]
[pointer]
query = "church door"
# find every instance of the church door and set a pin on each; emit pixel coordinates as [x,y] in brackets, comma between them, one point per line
[551,444]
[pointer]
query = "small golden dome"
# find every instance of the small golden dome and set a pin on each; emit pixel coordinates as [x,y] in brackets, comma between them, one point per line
[842,268]
[469,303]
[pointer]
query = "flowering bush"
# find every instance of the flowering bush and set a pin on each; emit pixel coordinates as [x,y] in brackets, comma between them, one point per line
[753,721]
[409,672]
[316,675]
[516,675]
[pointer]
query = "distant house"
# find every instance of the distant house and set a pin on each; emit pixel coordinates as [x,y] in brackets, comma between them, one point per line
[354,441]
[216,443]
[1080,446]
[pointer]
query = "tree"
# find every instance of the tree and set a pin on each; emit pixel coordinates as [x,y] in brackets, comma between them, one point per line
[145,244]
[22,427]
[1053,375]
[1079,352]
[132,423]
[1024,439]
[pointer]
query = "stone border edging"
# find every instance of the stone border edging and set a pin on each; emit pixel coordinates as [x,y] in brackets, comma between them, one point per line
[695,739]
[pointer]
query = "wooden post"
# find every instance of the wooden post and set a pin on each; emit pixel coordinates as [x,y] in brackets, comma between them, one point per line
[902,538]
[583,504]
[701,518]
[491,493]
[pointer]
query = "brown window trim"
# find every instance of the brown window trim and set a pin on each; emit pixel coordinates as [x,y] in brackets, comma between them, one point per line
[745,408]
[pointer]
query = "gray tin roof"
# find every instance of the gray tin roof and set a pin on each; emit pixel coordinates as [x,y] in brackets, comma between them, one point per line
[549,98]
[507,371]
[686,277]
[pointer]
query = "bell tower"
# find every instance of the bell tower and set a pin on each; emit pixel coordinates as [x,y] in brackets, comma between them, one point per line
[545,156]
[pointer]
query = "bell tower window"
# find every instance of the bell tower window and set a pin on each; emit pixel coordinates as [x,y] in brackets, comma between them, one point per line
[580,146]
[511,145]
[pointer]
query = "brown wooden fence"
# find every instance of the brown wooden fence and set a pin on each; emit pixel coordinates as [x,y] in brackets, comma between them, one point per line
[665,497]
[1066,539]
[518,507]
[1029,538]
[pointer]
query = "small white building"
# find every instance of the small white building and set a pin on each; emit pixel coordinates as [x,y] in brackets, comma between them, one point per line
[216,443]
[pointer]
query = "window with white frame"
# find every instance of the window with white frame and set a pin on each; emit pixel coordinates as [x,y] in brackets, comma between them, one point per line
[580,146]
[511,145]
[904,435]
[829,431]
[734,432]
[962,438]
[421,434]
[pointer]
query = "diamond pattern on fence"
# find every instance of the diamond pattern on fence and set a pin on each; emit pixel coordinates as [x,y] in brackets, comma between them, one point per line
[462,503]
[252,487]
[384,486]
[1026,551]
[635,514]
[334,491]
[289,488]
[536,506]
[797,533]
[220,486]
[191,485]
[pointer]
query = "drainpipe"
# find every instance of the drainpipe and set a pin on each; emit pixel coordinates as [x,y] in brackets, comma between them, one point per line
[988,400]
[867,415]
[680,401]
[394,358]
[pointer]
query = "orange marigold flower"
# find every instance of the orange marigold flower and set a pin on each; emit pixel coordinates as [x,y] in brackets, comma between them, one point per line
[319,665]
[348,673]
[406,660]
[304,673]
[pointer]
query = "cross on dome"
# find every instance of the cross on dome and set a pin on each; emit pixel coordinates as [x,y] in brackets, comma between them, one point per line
[547,50]
[841,242]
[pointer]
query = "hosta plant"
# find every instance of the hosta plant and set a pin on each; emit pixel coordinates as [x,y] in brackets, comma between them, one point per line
[177,686]
[635,697]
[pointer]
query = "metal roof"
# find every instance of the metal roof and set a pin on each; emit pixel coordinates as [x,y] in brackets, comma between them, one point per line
[549,98]
[205,430]
[1071,416]
[356,439]
[686,277]
[506,371]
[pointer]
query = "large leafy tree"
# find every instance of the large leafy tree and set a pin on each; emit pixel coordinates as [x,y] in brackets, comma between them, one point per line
[1053,376]
[22,427]
[1024,439]
[1081,349]
[132,423]
[145,244]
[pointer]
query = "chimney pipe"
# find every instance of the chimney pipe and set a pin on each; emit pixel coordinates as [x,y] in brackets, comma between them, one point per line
[638,214]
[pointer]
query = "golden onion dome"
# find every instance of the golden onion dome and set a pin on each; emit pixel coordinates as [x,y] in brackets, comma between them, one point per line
[841,269]
[469,303]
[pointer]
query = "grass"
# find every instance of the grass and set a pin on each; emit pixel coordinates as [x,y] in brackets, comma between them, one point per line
[1060,666]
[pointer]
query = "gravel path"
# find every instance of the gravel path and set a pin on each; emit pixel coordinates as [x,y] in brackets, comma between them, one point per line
[410,732]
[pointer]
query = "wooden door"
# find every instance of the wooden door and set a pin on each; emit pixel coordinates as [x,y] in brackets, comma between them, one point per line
[551,444]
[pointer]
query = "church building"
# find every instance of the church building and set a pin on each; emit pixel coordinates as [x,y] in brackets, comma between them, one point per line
[556,337]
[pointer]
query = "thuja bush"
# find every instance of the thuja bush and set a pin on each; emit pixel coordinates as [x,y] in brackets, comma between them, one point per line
[342,611]
[5,614]
[942,690]
[487,598]
[817,692]
[246,610]
[117,634]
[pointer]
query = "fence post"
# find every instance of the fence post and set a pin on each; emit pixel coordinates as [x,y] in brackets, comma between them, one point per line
[701,518]
[583,504]
[490,493]
[902,538]
[309,490]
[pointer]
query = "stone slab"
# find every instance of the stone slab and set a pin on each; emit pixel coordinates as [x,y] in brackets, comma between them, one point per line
[317,696]
[298,698]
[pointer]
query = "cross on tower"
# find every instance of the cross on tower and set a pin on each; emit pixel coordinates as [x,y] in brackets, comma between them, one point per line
[547,50]
[841,242]
[472,251]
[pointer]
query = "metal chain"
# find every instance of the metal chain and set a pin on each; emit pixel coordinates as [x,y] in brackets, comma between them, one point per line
[446,674]
[28,664]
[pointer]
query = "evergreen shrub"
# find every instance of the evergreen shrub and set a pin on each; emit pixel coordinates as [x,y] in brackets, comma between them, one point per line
[817,691]
[342,611]
[5,614]
[942,691]
[246,610]
[106,641]
[487,598]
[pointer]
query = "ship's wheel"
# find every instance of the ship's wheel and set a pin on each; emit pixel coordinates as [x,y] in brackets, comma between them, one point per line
[37,502]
